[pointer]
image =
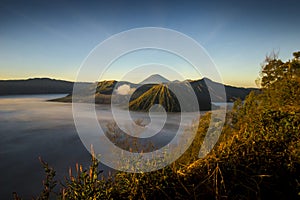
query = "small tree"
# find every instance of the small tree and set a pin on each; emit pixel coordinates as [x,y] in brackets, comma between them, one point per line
[280,80]
[296,55]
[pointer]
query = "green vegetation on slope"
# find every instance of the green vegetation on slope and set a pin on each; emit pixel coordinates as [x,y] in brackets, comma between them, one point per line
[257,156]
[193,97]
[106,87]
[157,94]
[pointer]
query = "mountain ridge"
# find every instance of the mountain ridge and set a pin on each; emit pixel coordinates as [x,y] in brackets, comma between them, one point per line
[142,98]
[35,86]
[154,79]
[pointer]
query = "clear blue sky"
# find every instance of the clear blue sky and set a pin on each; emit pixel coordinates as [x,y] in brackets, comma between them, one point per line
[52,38]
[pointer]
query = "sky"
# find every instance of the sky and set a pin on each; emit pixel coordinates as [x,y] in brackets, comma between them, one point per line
[53,38]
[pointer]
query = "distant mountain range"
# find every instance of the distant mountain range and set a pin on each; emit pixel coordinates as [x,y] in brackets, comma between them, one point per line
[153,90]
[35,86]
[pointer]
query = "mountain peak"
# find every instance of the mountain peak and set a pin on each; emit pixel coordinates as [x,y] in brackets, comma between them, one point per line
[155,78]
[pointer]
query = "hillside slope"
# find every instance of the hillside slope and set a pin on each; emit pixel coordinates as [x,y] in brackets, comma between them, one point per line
[157,94]
[148,95]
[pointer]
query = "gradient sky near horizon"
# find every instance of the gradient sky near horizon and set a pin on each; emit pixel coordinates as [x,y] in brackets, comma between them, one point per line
[52,38]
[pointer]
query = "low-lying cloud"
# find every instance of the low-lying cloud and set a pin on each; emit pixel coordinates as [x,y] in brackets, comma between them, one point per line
[125,90]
